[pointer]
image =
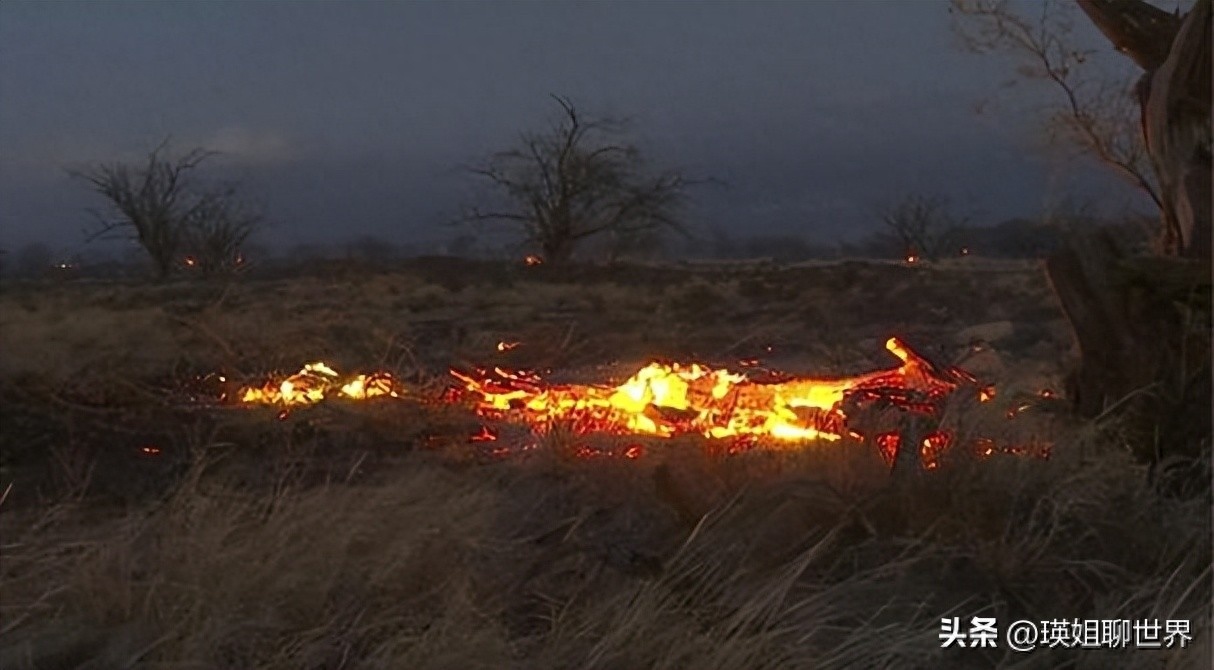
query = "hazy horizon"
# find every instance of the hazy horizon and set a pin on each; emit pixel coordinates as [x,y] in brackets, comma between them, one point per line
[352,120]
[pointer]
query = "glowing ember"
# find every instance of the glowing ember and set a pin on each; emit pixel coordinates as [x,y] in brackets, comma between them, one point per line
[665,400]
[317,381]
[485,434]
[533,260]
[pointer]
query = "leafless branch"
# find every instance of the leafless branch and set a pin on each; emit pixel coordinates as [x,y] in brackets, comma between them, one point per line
[923,224]
[574,182]
[1095,115]
[158,204]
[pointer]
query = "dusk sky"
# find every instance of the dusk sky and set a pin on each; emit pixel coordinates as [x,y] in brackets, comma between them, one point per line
[350,119]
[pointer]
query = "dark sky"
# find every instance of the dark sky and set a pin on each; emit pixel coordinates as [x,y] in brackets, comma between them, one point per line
[353,118]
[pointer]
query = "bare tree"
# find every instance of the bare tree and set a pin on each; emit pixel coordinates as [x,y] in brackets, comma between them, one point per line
[149,202]
[162,206]
[923,224]
[578,181]
[216,229]
[1095,113]
[1142,323]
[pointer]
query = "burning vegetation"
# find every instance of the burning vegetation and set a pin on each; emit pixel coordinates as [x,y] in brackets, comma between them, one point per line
[316,382]
[666,400]
[669,399]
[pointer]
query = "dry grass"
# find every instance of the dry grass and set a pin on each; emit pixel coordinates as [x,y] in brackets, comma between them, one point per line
[819,560]
[351,539]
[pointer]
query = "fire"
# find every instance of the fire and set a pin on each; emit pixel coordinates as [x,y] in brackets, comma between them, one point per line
[317,381]
[665,400]
[533,260]
[507,346]
[669,399]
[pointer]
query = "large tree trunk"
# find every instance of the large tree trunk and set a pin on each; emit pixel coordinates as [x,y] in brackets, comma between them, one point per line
[1175,96]
[1143,329]
[1143,323]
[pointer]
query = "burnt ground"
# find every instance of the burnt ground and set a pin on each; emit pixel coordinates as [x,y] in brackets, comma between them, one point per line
[149,525]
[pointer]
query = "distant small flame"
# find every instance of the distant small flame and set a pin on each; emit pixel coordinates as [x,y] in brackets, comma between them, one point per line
[507,346]
[533,260]
[912,259]
[965,251]
[150,450]
[190,261]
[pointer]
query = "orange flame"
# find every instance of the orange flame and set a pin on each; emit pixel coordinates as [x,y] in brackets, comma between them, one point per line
[485,434]
[533,260]
[665,400]
[317,381]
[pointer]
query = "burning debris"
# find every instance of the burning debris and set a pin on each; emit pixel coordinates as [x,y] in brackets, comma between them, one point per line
[669,400]
[316,382]
[666,400]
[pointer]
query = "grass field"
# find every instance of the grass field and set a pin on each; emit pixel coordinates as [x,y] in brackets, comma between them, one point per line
[143,525]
